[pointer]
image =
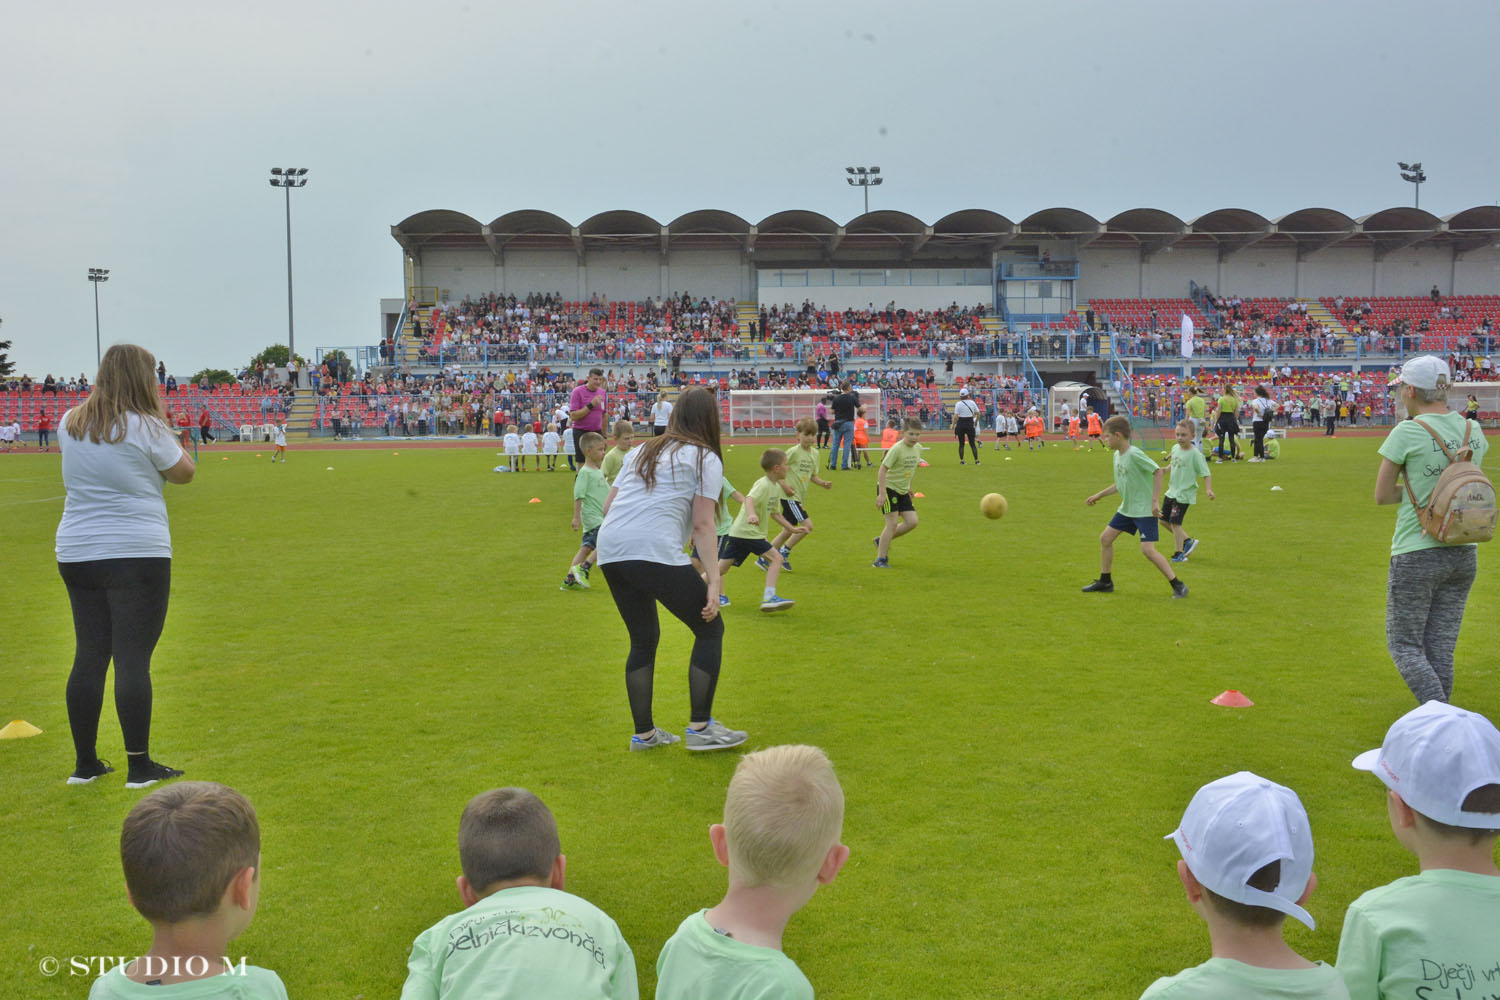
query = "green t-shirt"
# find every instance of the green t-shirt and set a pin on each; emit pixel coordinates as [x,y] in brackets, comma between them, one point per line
[1227,979]
[764,499]
[613,459]
[590,487]
[1134,479]
[699,963]
[527,941]
[254,984]
[801,466]
[1409,445]
[1196,407]
[1228,404]
[900,463]
[1434,935]
[722,518]
[1188,466]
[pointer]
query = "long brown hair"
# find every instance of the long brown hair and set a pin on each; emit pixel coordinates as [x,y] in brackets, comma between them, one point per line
[126,383]
[694,420]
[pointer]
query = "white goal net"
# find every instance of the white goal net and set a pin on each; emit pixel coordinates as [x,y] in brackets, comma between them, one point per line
[775,412]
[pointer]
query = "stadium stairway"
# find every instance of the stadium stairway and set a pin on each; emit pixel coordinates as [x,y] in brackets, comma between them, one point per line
[303,411]
[1322,314]
[745,313]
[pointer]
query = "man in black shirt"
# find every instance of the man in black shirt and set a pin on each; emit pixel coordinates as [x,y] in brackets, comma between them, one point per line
[844,405]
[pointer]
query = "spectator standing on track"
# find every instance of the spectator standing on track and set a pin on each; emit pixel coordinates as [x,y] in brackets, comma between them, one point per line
[1262,407]
[965,413]
[844,405]
[587,406]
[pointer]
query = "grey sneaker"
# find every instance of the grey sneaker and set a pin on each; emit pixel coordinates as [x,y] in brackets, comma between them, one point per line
[659,738]
[714,736]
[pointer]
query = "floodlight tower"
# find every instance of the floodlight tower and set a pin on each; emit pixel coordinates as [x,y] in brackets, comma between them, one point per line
[288,178]
[1412,173]
[96,275]
[864,177]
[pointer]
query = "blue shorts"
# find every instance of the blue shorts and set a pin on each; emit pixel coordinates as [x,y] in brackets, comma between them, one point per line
[1130,525]
[590,538]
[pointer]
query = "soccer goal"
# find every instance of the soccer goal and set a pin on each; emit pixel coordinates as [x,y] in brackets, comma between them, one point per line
[1488,394]
[776,411]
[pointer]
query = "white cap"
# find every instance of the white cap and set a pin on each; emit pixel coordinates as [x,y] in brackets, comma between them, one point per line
[964,391]
[1236,826]
[1433,757]
[1423,372]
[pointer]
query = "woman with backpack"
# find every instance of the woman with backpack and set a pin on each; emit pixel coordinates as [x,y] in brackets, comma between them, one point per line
[1429,579]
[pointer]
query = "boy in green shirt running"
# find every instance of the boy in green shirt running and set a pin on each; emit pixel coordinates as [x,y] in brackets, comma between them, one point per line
[590,490]
[1437,933]
[893,489]
[1247,856]
[747,535]
[191,854]
[783,818]
[1188,465]
[801,471]
[519,934]
[624,432]
[1138,482]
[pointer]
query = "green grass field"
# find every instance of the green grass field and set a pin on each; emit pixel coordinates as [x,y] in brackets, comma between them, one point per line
[361,650]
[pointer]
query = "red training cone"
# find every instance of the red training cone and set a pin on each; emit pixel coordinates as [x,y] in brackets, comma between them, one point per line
[1231,699]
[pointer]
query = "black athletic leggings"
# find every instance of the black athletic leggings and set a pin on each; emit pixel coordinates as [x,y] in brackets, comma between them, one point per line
[1260,427]
[1228,427]
[823,434]
[119,607]
[637,585]
[964,428]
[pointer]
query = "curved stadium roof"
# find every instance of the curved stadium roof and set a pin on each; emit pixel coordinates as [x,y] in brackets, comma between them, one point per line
[963,238]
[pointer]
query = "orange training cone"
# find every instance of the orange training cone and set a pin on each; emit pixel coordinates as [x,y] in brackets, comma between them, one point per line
[1231,699]
[535,500]
[920,496]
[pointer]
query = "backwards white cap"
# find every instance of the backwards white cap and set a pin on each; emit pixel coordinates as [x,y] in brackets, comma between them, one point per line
[1433,757]
[1236,826]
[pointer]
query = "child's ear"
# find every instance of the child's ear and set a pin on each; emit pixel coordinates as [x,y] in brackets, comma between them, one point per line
[466,892]
[240,886]
[720,839]
[1312,883]
[1402,815]
[1190,884]
[559,872]
[833,863]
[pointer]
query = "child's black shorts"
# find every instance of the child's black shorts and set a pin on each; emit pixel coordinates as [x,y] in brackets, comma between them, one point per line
[1173,511]
[793,510]
[897,503]
[739,549]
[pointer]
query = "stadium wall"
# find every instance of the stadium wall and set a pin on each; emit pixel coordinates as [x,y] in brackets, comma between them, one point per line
[623,274]
[864,296]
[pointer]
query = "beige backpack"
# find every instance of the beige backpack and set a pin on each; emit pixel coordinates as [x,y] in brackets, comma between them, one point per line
[1461,508]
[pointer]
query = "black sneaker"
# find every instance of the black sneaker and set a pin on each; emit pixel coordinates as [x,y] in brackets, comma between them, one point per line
[1179,589]
[149,774]
[1100,587]
[84,775]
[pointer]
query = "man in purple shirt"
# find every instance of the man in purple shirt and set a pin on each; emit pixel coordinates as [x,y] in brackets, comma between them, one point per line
[586,409]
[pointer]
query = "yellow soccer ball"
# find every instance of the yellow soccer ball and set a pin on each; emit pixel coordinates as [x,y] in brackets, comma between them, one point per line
[992,506]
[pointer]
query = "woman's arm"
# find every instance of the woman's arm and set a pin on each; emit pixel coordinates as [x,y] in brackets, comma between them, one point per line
[1387,487]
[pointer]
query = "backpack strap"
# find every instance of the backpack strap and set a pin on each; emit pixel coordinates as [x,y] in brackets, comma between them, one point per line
[1463,450]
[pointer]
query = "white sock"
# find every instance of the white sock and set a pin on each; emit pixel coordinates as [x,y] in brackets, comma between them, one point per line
[770,593]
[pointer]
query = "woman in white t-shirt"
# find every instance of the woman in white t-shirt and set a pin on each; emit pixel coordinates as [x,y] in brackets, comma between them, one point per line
[666,493]
[661,415]
[114,552]
[1262,408]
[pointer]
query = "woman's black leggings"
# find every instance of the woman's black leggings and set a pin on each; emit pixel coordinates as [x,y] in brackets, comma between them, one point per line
[637,586]
[1260,427]
[1228,428]
[823,433]
[119,607]
[964,428]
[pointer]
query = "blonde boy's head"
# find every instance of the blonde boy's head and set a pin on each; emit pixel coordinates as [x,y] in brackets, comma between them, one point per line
[784,811]
[593,445]
[1118,424]
[624,433]
[182,845]
[510,428]
[807,427]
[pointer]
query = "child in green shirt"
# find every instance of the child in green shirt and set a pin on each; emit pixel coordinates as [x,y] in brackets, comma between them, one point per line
[1188,465]
[747,535]
[1138,481]
[624,432]
[783,819]
[589,493]
[893,490]
[801,471]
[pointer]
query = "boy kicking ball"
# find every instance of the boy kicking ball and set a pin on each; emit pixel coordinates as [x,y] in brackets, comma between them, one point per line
[802,471]
[1188,466]
[747,535]
[1138,482]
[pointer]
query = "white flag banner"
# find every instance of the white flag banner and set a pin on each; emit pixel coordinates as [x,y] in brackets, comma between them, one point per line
[1187,335]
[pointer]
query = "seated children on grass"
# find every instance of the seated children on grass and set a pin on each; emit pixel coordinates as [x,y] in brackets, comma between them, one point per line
[191,854]
[1188,465]
[747,535]
[1247,856]
[589,493]
[520,935]
[1138,482]
[801,472]
[614,459]
[1437,933]
[783,818]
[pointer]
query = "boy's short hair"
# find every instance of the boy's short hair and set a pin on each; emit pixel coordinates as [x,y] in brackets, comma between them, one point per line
[510,428]
[771,457]
[911,424]
[1231,832]
[590,439]
[506,835]
[784,810]
[1444,762]
[623,427]
[1187,425]
[807,425]
[182,845]
[860,410]
[893,422]
[1117,424]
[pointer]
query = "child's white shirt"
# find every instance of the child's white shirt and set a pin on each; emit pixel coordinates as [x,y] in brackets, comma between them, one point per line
[550,441]
[528,443]
[513,444]
[567,436]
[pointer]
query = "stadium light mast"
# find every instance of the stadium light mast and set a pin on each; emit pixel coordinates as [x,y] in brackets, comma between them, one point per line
[288,178]
[96,275]
[1412,174]
[864,177]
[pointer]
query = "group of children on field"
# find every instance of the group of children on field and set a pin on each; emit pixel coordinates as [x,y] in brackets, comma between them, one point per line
[191,858]
[537,444]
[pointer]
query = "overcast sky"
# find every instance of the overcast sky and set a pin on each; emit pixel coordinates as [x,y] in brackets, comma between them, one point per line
[140,136]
